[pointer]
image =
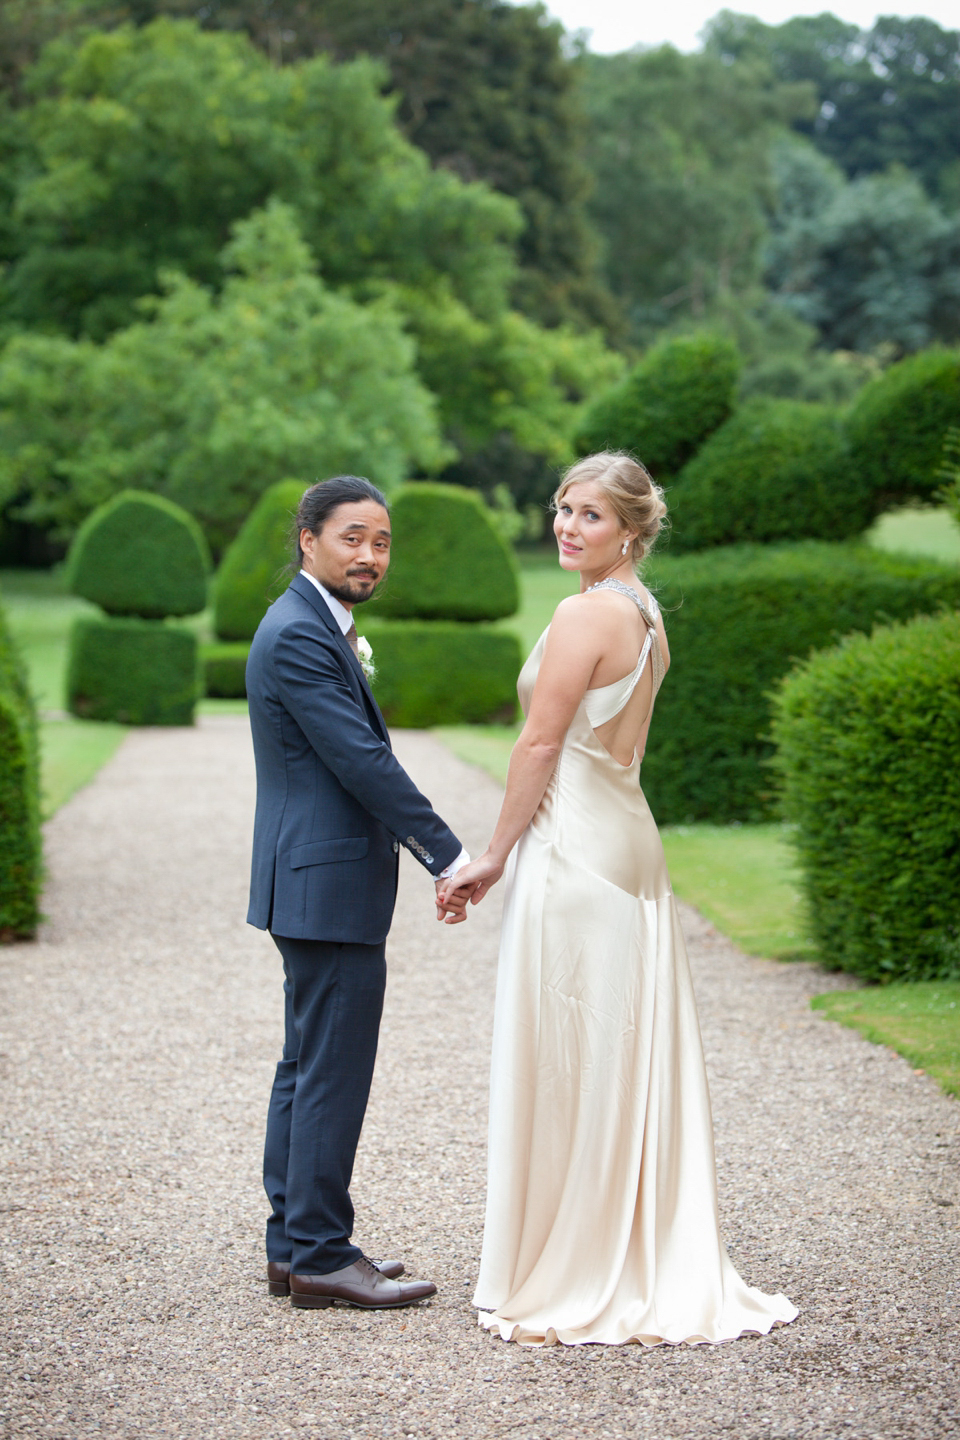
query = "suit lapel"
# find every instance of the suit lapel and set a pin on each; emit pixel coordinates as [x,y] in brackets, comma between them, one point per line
[313,597]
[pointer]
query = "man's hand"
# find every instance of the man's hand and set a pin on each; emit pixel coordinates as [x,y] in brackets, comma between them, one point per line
[453,908]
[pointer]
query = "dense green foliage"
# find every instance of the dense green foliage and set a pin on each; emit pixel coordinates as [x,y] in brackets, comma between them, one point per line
[137,672]
[439,673]
[777,470]
[679,393]
[868,735]
[20,843]
[678,145]
[448,561]
[140,555]
[255,568]
[141,147]
[224,668]
[900,421]
[214,398]
[888,96]
[873,262]
[737,617]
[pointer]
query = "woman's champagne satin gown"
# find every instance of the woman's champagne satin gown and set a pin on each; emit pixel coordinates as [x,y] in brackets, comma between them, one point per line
[601,1220]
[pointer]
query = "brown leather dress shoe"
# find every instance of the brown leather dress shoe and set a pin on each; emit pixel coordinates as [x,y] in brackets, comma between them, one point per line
[361,1284]
[278,1274]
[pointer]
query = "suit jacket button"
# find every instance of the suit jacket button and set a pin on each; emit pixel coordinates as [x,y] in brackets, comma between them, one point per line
[429,859]
[396,846]
[411,841]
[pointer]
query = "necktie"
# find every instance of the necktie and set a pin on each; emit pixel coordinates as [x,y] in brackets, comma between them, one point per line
[351,639]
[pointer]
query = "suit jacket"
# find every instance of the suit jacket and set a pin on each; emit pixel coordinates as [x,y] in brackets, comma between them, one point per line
[333,803]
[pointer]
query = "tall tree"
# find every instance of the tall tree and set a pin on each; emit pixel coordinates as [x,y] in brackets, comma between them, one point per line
[142,147]
[890,95]
[679,149]
[484,87]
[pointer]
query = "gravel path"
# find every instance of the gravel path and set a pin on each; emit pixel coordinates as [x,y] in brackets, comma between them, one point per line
[140,1035]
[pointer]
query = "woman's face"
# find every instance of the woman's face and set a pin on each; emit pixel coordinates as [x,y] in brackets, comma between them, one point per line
[587,530]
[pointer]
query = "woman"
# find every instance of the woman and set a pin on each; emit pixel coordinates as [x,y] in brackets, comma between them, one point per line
[601,1223]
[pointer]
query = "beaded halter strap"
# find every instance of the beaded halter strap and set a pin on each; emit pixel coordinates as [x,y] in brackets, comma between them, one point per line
[650,620]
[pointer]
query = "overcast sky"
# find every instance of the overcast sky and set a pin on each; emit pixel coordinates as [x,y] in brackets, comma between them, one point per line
[619,24]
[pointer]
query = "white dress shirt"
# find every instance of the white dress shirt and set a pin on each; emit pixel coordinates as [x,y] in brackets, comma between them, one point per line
[344,620]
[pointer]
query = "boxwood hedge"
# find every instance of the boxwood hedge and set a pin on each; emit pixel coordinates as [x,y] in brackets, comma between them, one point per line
[254,570]
[140,554]
[448,561]
[898,423]
[224,667]
[676,396]
[736,620]
[440,673]
[20,843]
[776,470]
[138,672]
[868,735]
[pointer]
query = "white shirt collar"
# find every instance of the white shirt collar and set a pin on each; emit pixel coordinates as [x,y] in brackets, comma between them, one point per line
[339,612]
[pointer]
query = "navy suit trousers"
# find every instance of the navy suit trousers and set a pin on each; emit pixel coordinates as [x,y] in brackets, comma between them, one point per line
[333,1002]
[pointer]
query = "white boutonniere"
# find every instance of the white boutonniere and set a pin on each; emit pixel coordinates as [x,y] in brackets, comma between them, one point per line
[365,656]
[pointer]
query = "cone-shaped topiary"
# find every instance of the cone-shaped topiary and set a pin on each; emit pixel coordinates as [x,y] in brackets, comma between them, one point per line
[899,422]
[678,394]
[448,562]
[140,555]
[253,572]
[20,849]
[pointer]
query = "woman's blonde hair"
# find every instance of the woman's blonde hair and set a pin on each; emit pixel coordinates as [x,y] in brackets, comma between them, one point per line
[636,498]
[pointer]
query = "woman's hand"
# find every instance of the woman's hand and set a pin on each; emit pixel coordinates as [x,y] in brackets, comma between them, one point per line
[472,881]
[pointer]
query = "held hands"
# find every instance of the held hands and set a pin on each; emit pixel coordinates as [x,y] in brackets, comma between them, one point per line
[471,883]
[451,911]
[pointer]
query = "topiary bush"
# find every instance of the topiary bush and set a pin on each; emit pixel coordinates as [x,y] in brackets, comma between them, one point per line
[447,561]
[777,470]
[140,555]
[868,735]
[224,669]
[898,423]
[20,841]
[137,672]
[678,394]
[736,619]
[440,673]
[142,558]
[254,570]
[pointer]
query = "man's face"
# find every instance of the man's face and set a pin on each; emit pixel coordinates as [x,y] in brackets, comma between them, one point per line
[351,554]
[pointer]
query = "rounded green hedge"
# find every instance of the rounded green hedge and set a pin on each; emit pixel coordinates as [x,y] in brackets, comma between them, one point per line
[20,839]
[898,424]
[138,672]
[255,568]
[737,618]
[677,395]
[868,736]
[776,470]
[447,560]
[141,555]
[439,673]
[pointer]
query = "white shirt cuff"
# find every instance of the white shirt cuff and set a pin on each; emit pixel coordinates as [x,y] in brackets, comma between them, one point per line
[462,859]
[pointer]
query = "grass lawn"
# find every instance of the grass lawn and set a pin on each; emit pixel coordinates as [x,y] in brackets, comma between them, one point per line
[920,1020]
[920,531]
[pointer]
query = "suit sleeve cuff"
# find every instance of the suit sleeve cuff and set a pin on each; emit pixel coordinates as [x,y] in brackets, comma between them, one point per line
[462,859]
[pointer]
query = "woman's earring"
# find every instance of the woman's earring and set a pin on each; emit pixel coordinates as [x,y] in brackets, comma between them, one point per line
[624,550]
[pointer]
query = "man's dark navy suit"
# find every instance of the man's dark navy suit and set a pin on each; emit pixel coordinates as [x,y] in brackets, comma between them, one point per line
[333,807]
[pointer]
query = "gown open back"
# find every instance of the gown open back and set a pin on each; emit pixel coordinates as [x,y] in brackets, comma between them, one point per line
[601,1219]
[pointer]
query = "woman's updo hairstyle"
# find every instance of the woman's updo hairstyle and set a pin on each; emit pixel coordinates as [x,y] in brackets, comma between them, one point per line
[635,497]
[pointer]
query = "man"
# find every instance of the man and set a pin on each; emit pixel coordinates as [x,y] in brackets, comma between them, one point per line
[333,807]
